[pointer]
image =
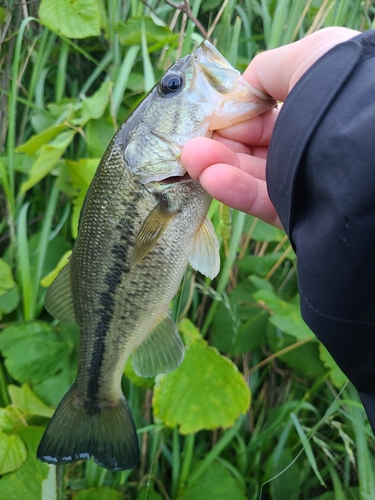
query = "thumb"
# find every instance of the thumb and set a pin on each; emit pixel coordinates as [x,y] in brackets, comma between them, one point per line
[277,71]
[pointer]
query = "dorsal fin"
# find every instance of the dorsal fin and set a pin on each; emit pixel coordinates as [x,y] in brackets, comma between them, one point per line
[59,297]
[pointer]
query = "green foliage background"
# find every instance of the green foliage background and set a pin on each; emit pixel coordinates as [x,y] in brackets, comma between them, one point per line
[258,408]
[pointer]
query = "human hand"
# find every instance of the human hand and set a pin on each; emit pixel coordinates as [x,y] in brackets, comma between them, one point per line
[232,165]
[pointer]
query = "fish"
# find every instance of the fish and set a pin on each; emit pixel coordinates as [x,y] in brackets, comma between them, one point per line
[143,220]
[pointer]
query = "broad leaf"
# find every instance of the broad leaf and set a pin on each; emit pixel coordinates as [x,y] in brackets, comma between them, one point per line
[304,358]
[205,392]
[99,494]
[261,266]
[34,479]
[47,158]
[32,146]
[12,453]
[147,494]
[130,33]
[215,483]
[27,402]
[33,351]
[262,231]
[285,477]
[99,135]
[93,107]
[9,301]
[284,315]
[77,19]
[6,278]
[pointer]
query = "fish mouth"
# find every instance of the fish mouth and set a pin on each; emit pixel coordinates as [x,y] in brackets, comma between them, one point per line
[175,179]
[227,80]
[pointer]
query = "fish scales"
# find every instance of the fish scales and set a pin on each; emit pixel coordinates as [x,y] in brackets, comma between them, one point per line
[142,221]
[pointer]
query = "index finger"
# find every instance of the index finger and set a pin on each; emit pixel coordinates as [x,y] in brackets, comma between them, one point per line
[254,132]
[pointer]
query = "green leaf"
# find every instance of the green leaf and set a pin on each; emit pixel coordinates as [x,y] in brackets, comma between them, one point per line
[12,453]
[304,358]
[252,333]
[233,336]
[261,266]
[9,301]
[307,447]
[6,278]
[205,392]
[103,14]
[147,494]
[284,315]
[47,158]
[6,420]
[99,135]
[3,15]
[215,483]
[81,173]
[93,107]
[33,480]
[52,389]
[285,477]
[99,494]
[263,231]
[189,331]
[130,33]
[27,402]
[71,18]
[337,376]
[47,280]
[33,351]
[32,146]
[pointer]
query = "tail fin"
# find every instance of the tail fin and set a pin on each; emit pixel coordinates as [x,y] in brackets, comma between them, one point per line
[108,434]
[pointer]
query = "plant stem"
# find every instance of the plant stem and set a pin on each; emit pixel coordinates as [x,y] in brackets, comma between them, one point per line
[216,450]
[176,462]
[224,274]
[186,461]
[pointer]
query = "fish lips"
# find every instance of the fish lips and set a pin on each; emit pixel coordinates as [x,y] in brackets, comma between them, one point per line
[227,80]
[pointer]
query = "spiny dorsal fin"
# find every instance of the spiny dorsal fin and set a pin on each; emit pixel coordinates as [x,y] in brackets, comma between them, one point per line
[205,257]
[59,298]
[161,351]
[153,227]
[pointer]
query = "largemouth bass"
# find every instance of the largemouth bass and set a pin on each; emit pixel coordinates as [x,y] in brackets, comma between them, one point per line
[142,221]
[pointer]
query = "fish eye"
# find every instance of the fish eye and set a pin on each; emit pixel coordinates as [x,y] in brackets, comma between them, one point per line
[171,83]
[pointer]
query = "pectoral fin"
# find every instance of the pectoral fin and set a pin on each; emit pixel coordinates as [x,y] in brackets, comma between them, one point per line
[154,226]
[59,298]
[161,351]
[205,257]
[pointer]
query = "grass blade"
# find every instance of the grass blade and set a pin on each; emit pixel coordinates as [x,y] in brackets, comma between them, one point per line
[307,447]
[24,268]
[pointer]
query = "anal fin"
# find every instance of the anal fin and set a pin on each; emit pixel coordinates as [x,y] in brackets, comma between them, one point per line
[161,351]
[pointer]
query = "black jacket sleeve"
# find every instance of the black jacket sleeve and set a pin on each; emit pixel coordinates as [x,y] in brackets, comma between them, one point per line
[321,179]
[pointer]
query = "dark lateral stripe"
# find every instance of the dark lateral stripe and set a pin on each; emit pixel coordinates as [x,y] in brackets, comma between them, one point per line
[113,278]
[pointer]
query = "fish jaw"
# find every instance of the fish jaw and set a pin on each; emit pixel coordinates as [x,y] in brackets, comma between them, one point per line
[236,100]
